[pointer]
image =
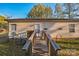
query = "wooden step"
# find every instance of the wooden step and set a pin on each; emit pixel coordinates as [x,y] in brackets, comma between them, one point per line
[40,47]
[39,52]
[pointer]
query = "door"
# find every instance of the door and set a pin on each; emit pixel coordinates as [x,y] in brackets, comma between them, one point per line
[37,28]
[13,27]
[13,30]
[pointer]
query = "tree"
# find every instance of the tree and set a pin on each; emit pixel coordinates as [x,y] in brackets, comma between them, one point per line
[40,11]
[71,10]
[58,11]
[2,19]
[3,23]
[75,10]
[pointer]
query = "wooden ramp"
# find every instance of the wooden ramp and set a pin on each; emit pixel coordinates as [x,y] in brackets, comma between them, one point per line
[40,47]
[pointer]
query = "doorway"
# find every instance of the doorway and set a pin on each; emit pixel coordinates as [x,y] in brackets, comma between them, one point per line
[37,28]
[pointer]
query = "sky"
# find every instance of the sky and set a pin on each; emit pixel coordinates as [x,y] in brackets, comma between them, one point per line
[18,10]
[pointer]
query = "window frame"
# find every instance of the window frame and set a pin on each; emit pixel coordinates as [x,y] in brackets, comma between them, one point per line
[13,26]
[72,28]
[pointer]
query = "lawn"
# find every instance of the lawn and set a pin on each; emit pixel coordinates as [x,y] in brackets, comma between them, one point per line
[6,49]
[69,47]
[9,48]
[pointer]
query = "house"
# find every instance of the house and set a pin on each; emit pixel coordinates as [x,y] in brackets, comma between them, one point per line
[58,28]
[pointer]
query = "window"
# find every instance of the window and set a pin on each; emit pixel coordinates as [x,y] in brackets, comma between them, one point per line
[37,27]
[71,27]
[13,27]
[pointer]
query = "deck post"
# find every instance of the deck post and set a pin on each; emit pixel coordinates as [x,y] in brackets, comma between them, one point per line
[49,47]
[30,49]
[33,41]
[52,51]
[43,35]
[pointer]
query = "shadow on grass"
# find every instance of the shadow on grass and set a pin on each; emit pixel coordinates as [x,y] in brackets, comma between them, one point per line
[69,48]
[68,42]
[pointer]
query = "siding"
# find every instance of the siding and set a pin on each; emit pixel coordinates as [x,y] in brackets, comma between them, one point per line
[54,28]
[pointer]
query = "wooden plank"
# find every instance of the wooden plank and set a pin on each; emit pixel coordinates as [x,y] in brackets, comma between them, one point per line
[26,46]
[52,46]
[53,43]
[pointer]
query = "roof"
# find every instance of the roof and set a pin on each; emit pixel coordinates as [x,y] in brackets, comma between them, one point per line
[42,20]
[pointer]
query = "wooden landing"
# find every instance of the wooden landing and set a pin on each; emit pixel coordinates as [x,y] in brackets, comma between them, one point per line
[40,48]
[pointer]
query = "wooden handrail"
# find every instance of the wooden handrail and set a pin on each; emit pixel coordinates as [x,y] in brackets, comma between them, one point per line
[52,45]
[29,43]
[26,46]
[32,36]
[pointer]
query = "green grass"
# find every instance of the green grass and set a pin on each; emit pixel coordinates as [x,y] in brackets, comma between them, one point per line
[4,49]
[7,50]
[10,49]
[69,47]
